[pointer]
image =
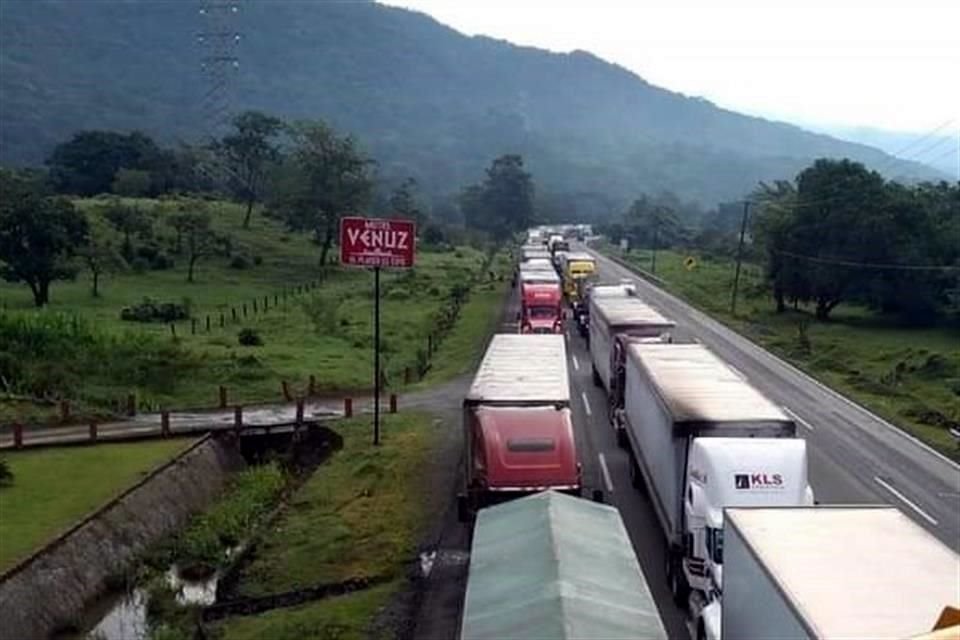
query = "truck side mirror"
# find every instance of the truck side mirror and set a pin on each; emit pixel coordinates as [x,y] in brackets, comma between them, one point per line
[518,316]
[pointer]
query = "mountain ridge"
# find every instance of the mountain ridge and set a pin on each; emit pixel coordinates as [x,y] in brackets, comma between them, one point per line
[423,98]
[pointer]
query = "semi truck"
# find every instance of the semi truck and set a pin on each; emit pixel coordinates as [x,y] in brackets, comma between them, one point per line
[575,269]
[616,321]
[517,423]
[541,303]
[839,571]
[701,439]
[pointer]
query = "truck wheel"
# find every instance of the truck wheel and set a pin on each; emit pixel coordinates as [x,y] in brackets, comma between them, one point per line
[597,381]
[622,440]
[677,582]
[464,512]
[636,478]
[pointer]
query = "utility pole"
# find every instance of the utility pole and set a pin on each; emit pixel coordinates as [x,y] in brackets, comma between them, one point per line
[736,274]
[656,234]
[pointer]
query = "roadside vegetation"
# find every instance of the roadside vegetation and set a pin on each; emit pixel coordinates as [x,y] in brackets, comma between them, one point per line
[909,375]
[53,488]
[851,277]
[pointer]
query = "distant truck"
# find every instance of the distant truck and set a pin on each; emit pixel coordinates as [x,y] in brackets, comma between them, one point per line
[576,269]
[541,302]
[828,572]
[702,439]
[615,322]
[518,429]
[581,308]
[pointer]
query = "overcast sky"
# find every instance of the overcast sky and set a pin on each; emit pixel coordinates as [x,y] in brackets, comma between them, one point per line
[892,64]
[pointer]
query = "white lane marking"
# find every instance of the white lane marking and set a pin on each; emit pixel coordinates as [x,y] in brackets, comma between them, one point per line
[586,403]
[723,332]
[798,419]
[923,514]
[576,363]
[606,473]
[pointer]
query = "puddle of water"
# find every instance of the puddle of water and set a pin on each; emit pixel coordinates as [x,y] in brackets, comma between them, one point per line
[126,619]
[195,592]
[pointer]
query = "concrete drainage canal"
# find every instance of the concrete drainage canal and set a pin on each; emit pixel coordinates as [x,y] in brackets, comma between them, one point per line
[124,592]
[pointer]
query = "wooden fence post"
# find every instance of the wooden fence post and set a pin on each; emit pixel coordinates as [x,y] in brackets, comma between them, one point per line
[17,435]
[208,324]
[64,410]
[131,404]
[299,411]
[93,431]
[223,396]
[193,326]
[165,424]
[393,403]
[285,389]
[348,407]
[221,320]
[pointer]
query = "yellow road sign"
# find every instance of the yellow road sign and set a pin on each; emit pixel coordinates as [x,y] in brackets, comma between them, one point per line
[690,263]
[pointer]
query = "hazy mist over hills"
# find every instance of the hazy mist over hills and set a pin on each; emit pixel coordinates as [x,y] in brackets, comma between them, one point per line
[422,98]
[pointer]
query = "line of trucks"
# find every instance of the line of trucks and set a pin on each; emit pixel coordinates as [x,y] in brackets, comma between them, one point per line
[547,274]
[714,455]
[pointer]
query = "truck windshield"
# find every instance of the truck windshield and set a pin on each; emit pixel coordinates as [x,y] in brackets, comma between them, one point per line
[715,544]
[542,313]
[531,445]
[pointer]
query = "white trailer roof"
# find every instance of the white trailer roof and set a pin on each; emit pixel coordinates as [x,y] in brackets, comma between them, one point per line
[522,369]
[539,275]
[697,386]
[627,310]
[853,572]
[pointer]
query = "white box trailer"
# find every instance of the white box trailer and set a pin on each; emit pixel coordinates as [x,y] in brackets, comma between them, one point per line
[831,572]
[701,438]
[619,315]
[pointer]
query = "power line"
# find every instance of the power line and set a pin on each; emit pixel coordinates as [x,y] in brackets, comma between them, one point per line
[870,265]
[940,127]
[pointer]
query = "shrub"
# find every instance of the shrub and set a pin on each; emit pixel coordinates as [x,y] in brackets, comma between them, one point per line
[249,337]
[153,311]
[6,475]
[258,260]
[239,262]
[322,311]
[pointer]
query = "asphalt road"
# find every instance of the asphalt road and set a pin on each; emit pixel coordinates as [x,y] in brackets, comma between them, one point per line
[855,456]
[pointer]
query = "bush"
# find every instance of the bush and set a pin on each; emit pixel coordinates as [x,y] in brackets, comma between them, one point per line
[6,475]
[258,260]
[153,257]
[153,311]
[322,311]
[249,337]
[239,262]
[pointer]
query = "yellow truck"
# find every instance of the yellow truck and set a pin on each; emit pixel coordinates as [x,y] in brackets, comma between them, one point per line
[576,270]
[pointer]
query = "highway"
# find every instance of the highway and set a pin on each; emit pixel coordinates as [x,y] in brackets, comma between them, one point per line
[855,457]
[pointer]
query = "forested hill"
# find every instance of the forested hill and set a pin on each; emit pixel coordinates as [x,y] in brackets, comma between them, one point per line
[424,99]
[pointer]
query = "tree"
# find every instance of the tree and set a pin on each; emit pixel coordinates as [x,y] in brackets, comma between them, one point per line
[248,152]
[39,236]
[403,203]
[128,220]
[201,241]
[132,183]
[100,257]
[323,177]
[88,163]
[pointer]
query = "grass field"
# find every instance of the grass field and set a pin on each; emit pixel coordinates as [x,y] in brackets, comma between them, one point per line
[342,618]
[53,488]
[326,332]
[911,376]
[357,516]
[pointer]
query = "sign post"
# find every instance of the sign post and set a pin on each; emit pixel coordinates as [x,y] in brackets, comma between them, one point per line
[377,242]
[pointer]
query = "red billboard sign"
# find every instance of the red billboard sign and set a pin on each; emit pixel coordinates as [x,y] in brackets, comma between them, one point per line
[377,242]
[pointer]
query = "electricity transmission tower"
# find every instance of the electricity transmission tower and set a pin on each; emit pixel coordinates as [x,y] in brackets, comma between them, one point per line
[219,40]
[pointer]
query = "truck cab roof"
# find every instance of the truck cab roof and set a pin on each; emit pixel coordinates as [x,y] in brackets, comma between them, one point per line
[627,311]
[528,448]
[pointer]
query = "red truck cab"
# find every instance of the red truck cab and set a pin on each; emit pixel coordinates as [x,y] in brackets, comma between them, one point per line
[524,450]
[541,308]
